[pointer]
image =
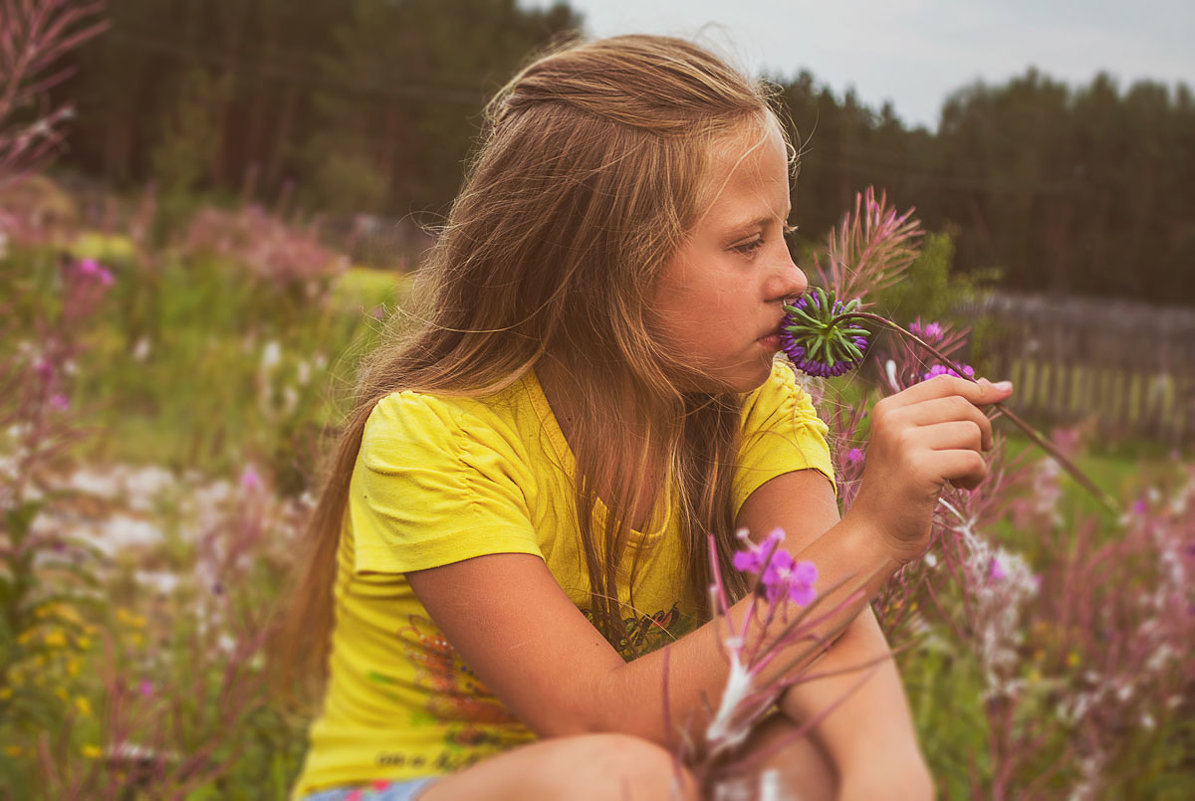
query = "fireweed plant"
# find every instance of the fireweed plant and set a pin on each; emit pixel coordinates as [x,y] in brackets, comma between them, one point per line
[783,620]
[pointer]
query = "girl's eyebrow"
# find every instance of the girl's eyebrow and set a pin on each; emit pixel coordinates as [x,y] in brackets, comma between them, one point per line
[759,222]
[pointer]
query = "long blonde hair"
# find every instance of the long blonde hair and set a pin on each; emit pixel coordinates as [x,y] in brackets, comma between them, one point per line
[589,176]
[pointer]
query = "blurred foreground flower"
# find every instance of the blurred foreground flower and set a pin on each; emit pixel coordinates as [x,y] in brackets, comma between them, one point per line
[781,624]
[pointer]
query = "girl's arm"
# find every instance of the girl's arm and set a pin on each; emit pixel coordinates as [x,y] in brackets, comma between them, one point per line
[534,649]
[517,629]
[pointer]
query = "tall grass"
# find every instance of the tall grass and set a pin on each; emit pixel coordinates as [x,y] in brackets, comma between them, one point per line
[156,471]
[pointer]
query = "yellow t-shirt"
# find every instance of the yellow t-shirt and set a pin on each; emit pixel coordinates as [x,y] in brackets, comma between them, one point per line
[439,480]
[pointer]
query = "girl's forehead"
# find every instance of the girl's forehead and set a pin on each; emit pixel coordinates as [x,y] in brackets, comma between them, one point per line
[755,151]
[743,140]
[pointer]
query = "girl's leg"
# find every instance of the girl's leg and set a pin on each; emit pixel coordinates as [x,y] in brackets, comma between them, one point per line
[591,767]
[799,765]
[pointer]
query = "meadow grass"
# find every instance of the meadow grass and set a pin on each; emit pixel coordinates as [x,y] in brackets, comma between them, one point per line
[199,391]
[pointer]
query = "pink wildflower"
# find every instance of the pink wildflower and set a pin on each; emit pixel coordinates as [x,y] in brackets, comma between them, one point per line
[44,370]
[941,369]
[92,269]
[250,480]
[928,331]
[854,455]
[786,576]
[59,401]
[756,556]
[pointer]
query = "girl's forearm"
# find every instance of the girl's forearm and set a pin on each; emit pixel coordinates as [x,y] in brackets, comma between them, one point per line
[870,710]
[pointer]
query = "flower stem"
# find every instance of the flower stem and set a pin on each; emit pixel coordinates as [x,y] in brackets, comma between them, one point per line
[1043,443]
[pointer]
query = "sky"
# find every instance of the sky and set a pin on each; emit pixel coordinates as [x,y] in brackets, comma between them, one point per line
[914,53]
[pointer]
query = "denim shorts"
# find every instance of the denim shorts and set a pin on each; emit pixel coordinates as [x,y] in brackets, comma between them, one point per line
[405,790]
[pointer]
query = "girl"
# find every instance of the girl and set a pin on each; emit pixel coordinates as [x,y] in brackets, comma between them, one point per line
[518,512]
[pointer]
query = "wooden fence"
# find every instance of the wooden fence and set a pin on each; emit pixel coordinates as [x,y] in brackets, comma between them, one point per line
[1127,366]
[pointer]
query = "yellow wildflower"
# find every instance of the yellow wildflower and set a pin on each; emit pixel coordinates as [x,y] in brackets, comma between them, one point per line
[13,750]
[55,638]
[83,706]
[92,751]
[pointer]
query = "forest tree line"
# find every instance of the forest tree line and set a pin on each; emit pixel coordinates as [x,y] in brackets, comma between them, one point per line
[373,106]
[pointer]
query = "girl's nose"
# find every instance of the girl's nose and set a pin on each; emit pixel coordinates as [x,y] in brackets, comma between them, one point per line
[789,280]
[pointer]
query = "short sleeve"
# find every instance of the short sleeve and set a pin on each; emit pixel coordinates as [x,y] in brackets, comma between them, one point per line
[434,485]
[781,433]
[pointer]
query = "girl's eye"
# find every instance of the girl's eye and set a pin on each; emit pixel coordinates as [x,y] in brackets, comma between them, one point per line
[749,248]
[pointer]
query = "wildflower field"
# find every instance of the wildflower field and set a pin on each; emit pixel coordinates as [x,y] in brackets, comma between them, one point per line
[162,411]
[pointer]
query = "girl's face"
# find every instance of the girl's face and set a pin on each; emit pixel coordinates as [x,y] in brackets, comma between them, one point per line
[718,300]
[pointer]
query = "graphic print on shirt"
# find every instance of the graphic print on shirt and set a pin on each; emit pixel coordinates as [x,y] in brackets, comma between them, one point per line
[455,695]
[644,633]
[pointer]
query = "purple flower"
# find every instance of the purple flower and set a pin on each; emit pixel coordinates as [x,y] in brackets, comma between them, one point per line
[786,576]
[995,572]
[854,455]
[929,331]
[250,480]
[145,689]
[59,401]
[44,370]
[756,556]
[92,269]
[941,369]
[779,574]
[816,340]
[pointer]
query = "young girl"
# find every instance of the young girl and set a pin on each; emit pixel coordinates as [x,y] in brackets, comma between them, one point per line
[517,516]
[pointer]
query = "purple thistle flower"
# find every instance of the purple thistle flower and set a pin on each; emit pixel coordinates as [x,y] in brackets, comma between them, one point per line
[816,341]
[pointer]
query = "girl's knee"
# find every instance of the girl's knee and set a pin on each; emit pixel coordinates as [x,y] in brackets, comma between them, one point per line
[621,767]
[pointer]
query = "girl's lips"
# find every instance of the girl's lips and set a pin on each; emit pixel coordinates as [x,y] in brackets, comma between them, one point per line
[771,341]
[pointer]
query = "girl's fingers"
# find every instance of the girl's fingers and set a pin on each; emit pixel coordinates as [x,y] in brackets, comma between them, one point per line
[981,392]
[953,435]
[948,409]
[963,468]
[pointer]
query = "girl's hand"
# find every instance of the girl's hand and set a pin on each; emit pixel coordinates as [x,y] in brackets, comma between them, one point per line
[921,438]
